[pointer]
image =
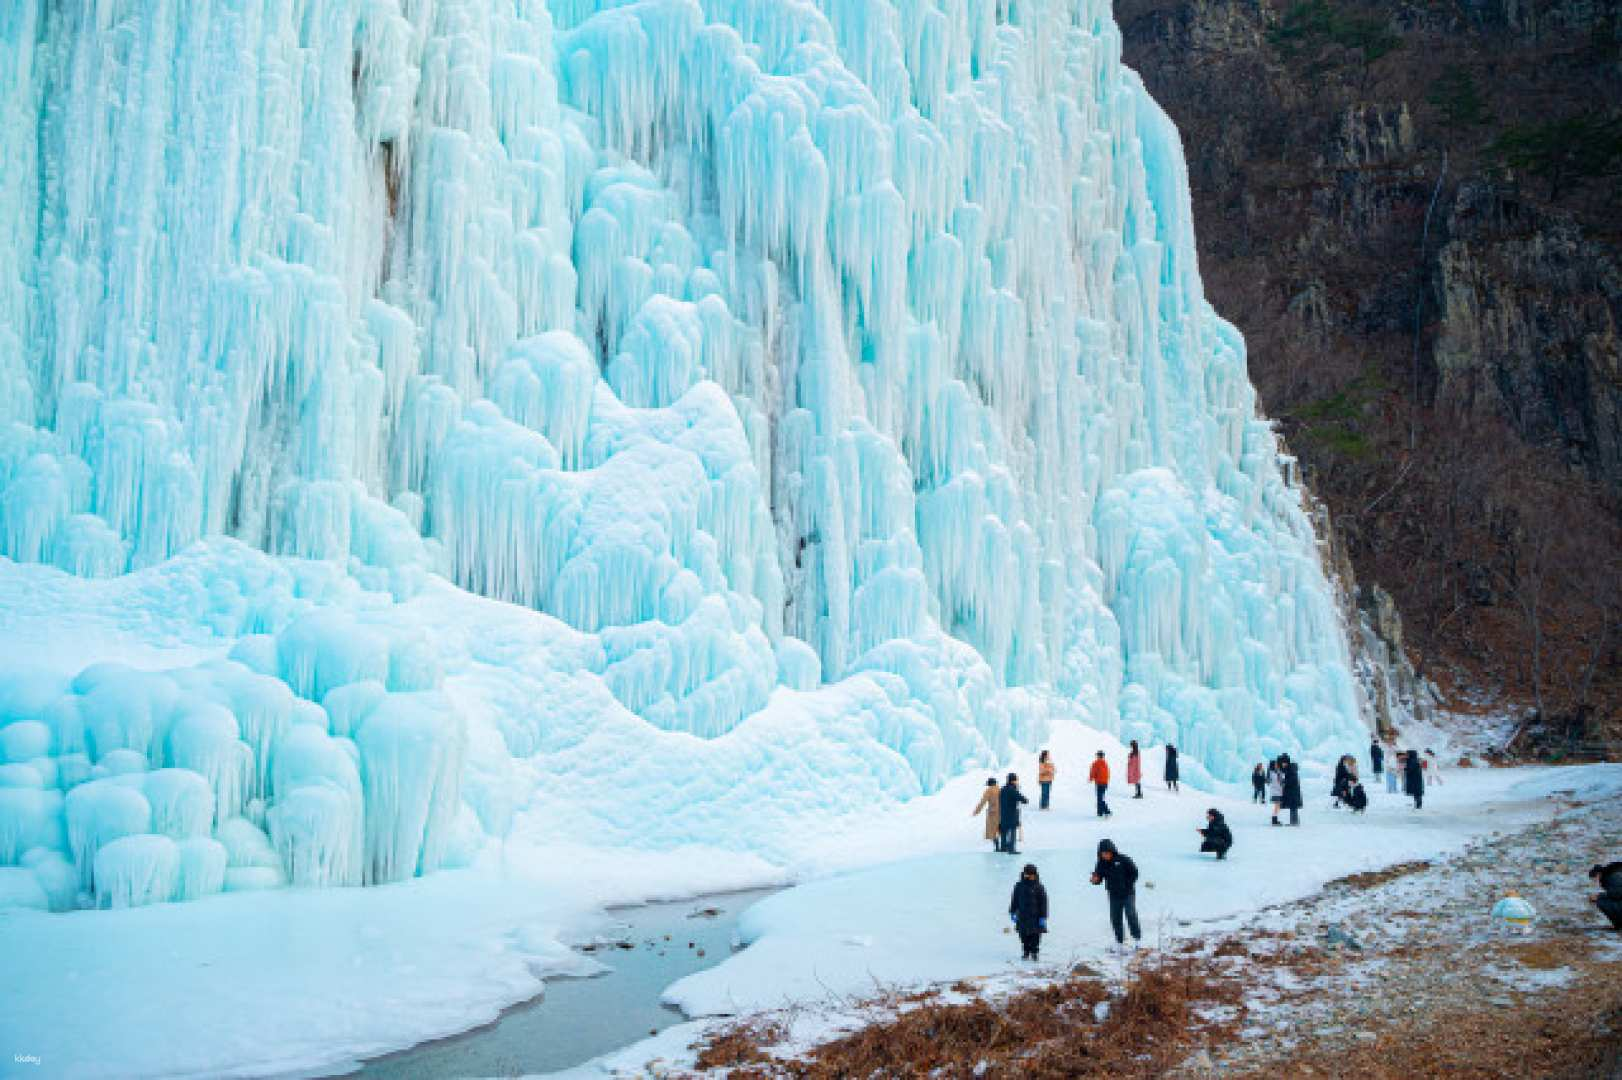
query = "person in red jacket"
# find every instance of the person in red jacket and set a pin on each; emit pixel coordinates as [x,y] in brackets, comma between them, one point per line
[1134,769]
[1099,775]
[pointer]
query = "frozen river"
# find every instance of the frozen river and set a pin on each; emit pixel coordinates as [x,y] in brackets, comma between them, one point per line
[646,949]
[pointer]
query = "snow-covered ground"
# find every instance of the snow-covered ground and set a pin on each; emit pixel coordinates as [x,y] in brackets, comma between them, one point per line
[905,896]
[942,917]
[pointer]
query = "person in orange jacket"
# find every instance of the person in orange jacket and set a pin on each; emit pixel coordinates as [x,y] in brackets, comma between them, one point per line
[1045,772]
[1099,775]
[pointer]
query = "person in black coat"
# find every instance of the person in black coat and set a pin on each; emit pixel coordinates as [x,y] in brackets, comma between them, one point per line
[1609,899]
[1357,798]
[1258,784]
[1343,782]
[1218,837]
[1028,908]
[1413,779]
[1292,789]
[1377,756]
[1008,804]
[1119,876]
[1171,767]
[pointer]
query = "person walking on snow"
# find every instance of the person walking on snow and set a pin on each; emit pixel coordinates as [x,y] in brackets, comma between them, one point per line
[1028,909]
[1099,775]
[1008,804]
[1119,876]
[1393,775]
[1376,756]
[1275,787]
[1218,837]
[1258,784]
[1134,769]
[1433,767]
[1414,778]
[1045,772]
[988,803]
[1609,899]
[1171,767]
[1292,789]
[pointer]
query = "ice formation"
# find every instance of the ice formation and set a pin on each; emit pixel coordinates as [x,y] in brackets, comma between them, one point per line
[844,362]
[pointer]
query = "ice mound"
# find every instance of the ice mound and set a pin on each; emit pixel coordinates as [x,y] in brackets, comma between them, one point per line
[829,383]
[177,781]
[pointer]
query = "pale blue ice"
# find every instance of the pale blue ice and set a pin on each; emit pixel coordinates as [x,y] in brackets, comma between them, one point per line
[830,383]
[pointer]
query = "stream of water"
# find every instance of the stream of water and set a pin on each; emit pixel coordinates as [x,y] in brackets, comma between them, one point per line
[576,1019]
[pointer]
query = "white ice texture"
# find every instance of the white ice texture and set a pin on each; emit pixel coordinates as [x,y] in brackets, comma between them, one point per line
[840,362]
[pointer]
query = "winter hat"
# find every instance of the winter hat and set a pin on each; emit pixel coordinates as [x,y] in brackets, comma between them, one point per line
[1030,868]
[1107,845]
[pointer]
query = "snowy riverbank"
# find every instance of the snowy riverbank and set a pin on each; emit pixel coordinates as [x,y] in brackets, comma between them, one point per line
[939,919]
[311,980]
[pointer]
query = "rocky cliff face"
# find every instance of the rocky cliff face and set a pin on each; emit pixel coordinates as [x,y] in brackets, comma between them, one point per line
[1527,328]
[1411,212]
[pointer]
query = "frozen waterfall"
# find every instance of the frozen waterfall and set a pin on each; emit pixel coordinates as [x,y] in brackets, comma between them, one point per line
[826,386]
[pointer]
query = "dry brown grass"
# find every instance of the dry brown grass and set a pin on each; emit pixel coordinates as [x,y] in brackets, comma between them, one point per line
[742,1045]
[1372,878]
[1047,1032]
[1544,955]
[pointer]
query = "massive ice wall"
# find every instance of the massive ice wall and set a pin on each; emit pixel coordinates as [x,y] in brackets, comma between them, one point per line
[764,344]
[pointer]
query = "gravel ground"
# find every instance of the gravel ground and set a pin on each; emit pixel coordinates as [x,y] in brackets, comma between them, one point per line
[1403,972]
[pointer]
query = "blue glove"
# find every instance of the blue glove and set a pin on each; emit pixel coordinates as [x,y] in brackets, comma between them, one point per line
[1013,918]
[1044,925]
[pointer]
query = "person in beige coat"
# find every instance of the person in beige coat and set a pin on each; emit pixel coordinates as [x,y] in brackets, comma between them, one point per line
[988,803]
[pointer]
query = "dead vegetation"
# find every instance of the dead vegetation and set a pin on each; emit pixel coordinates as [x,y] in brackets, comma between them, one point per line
[740,1046]
[1077,1027]
[1544,955]
[1370,879]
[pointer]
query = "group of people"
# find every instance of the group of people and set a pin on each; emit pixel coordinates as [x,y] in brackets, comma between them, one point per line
[1001,807]
[1348,788]
[1028,907]
[1118,874]
[1000,803]
[1415,771]
[1407,775]
[1278,781]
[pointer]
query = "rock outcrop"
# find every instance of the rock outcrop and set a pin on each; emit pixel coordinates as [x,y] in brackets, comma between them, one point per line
[1410,211]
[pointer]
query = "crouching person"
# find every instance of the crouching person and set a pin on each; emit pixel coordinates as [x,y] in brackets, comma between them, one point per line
[1609,899]
[1028,909]
[1217,836]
